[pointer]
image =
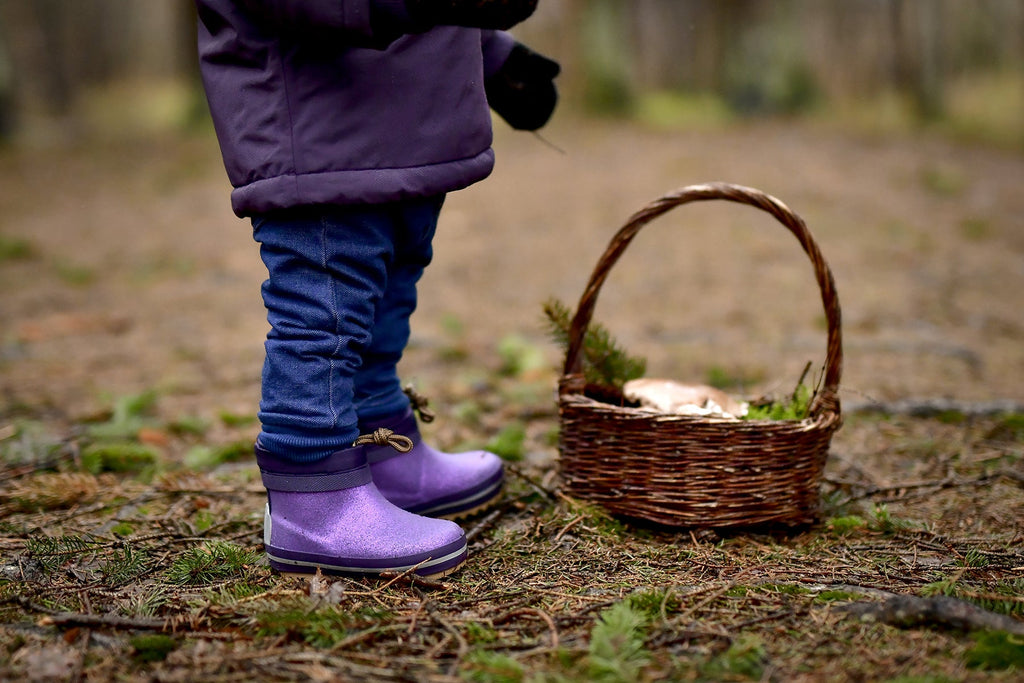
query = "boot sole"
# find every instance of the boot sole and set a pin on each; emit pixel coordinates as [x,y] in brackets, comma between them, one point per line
[299,567]
[478,501]
[473,512]
[430,577]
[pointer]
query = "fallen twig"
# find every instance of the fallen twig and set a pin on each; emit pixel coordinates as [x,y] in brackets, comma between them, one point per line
[483,524]
[103,620]
[909,611]
[921,488]
[535,485]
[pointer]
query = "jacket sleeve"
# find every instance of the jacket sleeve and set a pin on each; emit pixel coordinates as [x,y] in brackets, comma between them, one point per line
[497,46]
[372,23]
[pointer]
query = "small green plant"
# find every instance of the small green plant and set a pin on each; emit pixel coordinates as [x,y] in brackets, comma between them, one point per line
[211,562]
[844,526]
[519,356]
[483,666]
[118,456]
[230,419]
[510,442]
[191,425]
[884,522]
[152,647]
[74,274]
[616,652]
[604,362]
[128,415]
[53,553]
[1010,427]
[122,529]
[1002,597]
[973,558]
[996,651]
[124,564]
[745,658]
[203,520]
[478,633]
[795,407]
[834,596]
[653,602]
[976,229]
[944,181]
[15,249]
[209,457]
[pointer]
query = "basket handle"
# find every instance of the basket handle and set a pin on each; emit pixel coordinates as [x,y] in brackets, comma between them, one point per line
[827,400]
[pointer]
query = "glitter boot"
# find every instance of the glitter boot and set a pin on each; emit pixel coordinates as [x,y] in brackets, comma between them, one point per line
[429,482]
[329,515]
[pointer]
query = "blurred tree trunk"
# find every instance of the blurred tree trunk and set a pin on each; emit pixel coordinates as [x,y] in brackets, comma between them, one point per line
[31,31]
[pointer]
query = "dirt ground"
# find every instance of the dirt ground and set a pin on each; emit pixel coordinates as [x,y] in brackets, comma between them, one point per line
[123,271]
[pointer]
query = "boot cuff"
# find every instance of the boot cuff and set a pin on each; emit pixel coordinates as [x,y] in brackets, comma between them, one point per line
[341,470]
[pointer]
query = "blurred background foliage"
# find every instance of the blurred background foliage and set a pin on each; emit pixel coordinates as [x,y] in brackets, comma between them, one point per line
[71,71]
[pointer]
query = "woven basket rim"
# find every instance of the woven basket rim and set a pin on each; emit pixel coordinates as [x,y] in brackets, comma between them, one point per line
[581,401]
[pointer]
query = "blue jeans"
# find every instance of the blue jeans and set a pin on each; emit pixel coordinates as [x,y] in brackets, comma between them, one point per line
[341,288]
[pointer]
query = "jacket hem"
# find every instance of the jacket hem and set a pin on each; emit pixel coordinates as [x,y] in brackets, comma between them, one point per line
[364,186]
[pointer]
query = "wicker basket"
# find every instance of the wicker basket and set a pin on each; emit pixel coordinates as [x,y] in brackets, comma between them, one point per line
[687,471]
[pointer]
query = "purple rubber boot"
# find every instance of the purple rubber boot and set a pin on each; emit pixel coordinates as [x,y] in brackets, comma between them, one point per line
[330,515]
[429,482]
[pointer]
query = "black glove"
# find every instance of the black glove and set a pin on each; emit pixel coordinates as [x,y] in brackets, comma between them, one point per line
[492,14]
[523,90]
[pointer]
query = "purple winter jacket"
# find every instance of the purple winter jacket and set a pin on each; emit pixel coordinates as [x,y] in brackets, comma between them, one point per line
[342,102]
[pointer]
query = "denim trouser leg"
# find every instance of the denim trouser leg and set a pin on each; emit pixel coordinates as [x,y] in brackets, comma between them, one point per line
[378,390]
[329,272]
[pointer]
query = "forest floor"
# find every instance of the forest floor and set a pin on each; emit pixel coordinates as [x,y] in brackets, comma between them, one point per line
[131,331]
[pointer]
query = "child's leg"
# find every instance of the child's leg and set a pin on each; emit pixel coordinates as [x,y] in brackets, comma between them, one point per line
[424,480]
[328,270]
[378,390]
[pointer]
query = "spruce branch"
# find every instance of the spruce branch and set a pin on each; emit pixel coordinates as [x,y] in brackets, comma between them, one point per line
[605,362]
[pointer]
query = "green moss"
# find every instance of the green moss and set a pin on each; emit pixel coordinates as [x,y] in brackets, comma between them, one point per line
[75,275]
[745,659]
[795,407]
[510,442]
[483,666]
[128,415]
[996,651]
[189,425]
[122,529]
[843,526]
[229,419]
[834,596]
[118,456]
[519,356]
[15,249]
[650,602]
[478,633]
[152,647]
[1009,427]
[207,458]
